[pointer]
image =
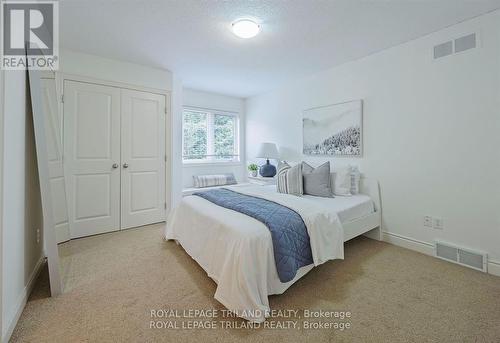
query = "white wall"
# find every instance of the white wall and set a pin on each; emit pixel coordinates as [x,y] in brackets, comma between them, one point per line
[98,67]
[431,132]
[22,252]
[218,102]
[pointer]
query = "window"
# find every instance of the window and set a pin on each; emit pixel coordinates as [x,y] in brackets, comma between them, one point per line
[209,136]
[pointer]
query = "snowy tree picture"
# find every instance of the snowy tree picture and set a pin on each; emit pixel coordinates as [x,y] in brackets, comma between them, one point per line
[334,129]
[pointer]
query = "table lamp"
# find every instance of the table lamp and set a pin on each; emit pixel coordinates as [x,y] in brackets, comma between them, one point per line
[268,151]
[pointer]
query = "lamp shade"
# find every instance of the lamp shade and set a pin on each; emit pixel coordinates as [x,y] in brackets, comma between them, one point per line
[268,150]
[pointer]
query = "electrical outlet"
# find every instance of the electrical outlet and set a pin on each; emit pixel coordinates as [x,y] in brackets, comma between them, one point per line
[428,221]
[438,223]
[37,236]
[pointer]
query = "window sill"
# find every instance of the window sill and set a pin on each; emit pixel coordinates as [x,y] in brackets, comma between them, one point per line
[211,163]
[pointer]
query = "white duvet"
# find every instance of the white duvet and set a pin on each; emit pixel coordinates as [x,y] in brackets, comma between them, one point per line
[237,252]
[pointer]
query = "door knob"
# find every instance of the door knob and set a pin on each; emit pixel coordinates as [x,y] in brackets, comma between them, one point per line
[115,165]
[125,165]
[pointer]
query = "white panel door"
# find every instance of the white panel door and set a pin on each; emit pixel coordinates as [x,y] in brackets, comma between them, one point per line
[143,158]
[54,151]
[92,157]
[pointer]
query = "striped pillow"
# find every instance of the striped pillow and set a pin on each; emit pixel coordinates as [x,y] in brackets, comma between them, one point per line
[289,179]
[201,181]
[355,178]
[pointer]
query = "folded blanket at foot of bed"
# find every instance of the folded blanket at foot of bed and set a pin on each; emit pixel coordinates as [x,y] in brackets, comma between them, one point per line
[291,245]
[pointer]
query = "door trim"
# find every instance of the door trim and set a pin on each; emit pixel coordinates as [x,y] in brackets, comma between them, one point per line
[61,77]
[86,79]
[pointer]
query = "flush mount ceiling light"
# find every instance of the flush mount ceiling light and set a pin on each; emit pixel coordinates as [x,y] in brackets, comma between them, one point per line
[245,28]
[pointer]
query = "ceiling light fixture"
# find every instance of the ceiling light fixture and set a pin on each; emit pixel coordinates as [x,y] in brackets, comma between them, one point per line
[245,28]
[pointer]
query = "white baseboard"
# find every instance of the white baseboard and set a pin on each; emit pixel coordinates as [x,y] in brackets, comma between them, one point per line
[427,248]
[409,243]
[494,268]
[22,299]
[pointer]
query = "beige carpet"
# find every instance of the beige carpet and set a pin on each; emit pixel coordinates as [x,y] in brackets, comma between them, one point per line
[113,281]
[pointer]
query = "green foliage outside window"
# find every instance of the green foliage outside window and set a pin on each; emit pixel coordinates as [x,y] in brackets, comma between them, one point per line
[209,136]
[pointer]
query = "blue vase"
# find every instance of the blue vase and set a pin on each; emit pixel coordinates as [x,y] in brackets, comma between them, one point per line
[267,170]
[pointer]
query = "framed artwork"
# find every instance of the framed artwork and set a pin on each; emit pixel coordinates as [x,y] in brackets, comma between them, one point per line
[334,130]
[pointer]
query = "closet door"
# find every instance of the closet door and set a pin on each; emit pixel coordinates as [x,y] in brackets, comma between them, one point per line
[92,157]
[143,158]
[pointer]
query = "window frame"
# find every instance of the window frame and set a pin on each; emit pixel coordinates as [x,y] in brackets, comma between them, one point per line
[236,160]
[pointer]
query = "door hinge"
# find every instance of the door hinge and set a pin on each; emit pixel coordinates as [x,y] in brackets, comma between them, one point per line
[165,110]
[165,158]
[62,98]
[165,204]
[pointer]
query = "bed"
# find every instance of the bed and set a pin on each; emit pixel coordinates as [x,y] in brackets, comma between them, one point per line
[236,250]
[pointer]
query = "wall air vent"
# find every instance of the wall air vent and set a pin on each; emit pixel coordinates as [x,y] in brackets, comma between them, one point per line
[443,50]
[465,43]
[455,46]
[465,257]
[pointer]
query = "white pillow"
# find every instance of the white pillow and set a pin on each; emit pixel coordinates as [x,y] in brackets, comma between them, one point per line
[342,181]
[346,181]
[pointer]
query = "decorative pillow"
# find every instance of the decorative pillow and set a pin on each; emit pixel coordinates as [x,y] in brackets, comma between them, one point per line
[342,181]
[289,179]
[355,177]
[346,181]
[317,180]
[201,181]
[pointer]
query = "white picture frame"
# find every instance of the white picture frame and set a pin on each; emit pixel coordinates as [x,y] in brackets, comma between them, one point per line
[334,130]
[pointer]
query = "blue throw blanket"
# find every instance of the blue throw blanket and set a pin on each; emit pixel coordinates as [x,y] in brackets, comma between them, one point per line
[291,245]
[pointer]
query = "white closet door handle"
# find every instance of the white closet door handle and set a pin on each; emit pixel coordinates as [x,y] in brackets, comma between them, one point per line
[125,165]
[115,165]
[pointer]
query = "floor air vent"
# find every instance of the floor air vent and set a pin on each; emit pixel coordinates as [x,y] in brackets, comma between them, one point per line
[465,257]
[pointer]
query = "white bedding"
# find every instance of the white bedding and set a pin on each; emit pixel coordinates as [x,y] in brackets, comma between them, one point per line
[237,252]
[348,208]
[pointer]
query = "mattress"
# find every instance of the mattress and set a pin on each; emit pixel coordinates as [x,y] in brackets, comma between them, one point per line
[348,208]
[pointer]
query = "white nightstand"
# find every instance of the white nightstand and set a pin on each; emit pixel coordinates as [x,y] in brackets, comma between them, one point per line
[259,180]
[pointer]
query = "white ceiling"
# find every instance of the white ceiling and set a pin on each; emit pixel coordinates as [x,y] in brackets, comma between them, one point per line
[299,37]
